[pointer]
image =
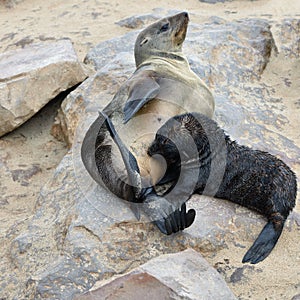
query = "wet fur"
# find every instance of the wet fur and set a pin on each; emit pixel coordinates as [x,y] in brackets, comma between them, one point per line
[252,178]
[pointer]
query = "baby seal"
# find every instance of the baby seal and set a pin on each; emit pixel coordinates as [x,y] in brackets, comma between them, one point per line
[162,86]
[252,178]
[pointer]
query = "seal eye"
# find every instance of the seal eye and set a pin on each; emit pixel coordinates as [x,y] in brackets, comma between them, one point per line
[164,28]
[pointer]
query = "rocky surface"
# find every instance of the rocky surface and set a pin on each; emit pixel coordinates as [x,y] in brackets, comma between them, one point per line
[31,77]
[137,21]
[76,239]
[10,3]
[186,275]
[80,233]
[214,1]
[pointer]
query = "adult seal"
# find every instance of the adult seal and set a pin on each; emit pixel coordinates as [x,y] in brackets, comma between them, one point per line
[162,86]
[252,178]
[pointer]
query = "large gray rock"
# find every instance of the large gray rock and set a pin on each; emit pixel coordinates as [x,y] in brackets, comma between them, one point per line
[81,233]
[137,21]
[186,275]
[31,77]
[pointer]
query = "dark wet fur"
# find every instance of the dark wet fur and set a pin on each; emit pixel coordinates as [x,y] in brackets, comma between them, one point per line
[252,178]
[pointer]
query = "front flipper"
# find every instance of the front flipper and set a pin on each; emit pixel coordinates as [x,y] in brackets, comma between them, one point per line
[129,161]
[142,89]
[165,216]
[136,192]
[176,221]
[264,243]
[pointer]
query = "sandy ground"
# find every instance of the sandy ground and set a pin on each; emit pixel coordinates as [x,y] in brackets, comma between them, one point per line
[30,154]
[87,23]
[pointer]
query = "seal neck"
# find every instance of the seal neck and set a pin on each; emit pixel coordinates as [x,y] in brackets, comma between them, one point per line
[172,58]
[169,55]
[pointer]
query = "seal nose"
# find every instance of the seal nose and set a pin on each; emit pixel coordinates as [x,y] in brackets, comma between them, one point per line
[186,15]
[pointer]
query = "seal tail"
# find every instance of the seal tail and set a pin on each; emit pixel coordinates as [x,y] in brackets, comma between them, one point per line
[264,243]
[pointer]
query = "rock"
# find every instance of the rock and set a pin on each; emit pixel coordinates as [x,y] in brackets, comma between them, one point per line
[81,233]
[229,56]
[219,1]
[31,77]
[137,21]
[11,3]
[22,175]
[289,37]
[118,52]
[214,1]
[134,286]
[184,275]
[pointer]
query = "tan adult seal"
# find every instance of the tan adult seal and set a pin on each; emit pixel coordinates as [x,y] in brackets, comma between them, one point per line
[162,86]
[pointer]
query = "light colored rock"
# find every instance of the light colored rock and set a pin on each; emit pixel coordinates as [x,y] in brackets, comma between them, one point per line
[10,3]
[137,21]
[81,234]
[31,77]
[184,275]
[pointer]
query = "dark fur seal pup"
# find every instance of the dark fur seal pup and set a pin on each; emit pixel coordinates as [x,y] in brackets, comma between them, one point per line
[162,86]
[252,178]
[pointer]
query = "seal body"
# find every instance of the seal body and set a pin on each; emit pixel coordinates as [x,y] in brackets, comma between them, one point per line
[252,178]
[162,86]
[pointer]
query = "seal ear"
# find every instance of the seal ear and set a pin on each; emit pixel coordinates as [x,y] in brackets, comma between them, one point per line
[142,88]
[144,41]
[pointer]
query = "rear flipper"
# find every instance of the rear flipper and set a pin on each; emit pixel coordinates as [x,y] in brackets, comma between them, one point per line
[264,243]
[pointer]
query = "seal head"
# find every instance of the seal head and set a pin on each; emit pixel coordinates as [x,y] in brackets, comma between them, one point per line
[163,38]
